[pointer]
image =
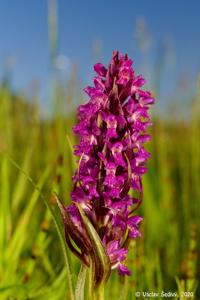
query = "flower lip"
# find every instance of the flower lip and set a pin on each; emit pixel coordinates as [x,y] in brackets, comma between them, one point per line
[117,148]
[123,270]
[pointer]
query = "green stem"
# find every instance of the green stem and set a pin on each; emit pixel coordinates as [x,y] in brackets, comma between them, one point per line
[99,293]
[91,281]
[94,292]
[80,285]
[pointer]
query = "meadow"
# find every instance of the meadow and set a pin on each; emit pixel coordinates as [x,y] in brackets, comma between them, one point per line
[36,160]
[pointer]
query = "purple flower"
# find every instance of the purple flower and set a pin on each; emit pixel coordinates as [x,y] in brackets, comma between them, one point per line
[112,129]
[116,253]
[133,224]
[123,270]
[116,150]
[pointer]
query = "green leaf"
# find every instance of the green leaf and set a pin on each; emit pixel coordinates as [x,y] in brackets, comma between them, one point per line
[99,256]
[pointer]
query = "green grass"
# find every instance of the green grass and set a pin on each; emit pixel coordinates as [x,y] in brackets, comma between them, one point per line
[36,160]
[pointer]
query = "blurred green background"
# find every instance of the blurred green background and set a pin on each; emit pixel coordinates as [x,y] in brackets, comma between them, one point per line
[36,159]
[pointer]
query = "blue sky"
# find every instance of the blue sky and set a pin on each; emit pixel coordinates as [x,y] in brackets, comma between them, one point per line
[24,36]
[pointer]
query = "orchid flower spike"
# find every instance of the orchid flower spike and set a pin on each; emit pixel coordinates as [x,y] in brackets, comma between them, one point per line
[112,160]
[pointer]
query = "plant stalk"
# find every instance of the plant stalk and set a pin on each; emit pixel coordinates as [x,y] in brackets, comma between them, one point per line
[91,281]
[99,292]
